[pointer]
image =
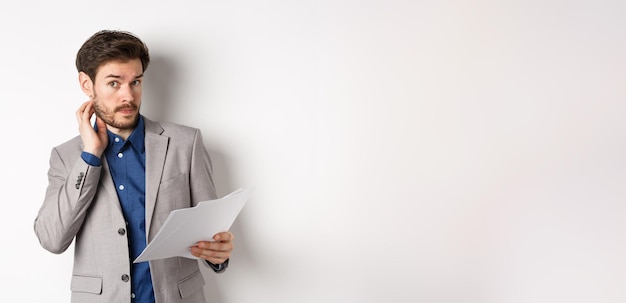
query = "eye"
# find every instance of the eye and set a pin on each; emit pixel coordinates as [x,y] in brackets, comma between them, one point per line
[114,84]
[136,83]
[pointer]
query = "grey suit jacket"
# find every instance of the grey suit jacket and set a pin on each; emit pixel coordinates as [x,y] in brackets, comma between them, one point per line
[81,205]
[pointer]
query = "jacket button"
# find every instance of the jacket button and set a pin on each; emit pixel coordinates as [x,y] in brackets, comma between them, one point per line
[121,231]
[125,278]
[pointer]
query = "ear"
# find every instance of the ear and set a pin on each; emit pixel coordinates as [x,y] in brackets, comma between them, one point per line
[86,84]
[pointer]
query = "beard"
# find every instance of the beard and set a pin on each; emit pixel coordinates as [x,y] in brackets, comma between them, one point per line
[108,116]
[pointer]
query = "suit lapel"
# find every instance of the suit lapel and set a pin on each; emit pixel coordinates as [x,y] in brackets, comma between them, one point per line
[156,150]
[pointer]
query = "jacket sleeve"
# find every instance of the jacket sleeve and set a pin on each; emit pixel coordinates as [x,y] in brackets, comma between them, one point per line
[202,185]
[71,188]
[201,172]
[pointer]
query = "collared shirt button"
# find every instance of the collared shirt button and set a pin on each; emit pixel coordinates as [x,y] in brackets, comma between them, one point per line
[120,155]
[121,231]
[132,295]
[121,187]
[117,139]
[125,278]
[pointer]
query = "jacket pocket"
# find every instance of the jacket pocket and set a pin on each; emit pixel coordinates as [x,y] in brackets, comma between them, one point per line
[175,192]
[87,284]
[190,284]
[178,180]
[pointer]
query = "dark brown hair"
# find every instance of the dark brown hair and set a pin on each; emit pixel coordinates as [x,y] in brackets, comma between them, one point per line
[110,45]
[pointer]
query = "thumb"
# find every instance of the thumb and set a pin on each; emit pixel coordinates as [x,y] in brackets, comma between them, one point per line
[102,127]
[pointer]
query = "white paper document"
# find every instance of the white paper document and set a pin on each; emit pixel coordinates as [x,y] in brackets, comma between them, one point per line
[183,228]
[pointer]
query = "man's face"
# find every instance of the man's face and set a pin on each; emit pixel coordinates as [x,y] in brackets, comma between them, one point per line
[117,93]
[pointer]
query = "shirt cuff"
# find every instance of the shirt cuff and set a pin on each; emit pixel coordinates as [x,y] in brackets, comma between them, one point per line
[91,159]
[218,268]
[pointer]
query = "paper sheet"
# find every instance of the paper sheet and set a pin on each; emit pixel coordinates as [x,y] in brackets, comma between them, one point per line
[183,228]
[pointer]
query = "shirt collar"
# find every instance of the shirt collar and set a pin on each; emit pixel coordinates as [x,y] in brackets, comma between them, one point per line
[136,137]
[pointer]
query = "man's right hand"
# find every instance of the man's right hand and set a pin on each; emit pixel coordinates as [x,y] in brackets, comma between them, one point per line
[93,142]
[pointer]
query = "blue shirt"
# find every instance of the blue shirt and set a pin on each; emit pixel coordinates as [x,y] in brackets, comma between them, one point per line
[127,164]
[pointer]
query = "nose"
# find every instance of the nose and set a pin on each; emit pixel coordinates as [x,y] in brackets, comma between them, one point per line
[126,93]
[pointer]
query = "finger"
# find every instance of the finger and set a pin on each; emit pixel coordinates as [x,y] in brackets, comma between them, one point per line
[208,253]
[215,246]
[84,111]
[80,110]
[215,260]
[101,125]
[223,237]
[204,253]
[88,112]
[215,257]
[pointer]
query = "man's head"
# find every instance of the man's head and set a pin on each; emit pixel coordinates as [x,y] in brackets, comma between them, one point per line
[111,66]
[110,45]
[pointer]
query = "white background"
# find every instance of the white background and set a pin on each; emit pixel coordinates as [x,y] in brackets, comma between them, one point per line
[401,151]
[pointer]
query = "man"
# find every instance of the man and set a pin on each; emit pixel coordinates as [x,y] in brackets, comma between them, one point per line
[112,187]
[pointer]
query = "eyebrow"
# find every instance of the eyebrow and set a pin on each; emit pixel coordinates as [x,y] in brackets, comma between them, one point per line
[119,77]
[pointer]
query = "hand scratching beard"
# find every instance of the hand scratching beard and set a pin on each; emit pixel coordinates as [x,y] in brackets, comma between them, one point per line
[109,116]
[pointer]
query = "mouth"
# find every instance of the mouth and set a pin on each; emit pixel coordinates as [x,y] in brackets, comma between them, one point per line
[126,110]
